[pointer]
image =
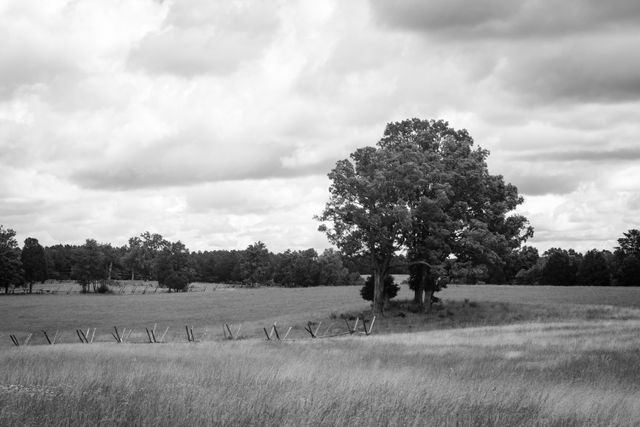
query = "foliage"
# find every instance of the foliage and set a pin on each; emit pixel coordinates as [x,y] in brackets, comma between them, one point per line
[628,272]
[425,189]
[34,262]
[368,207]
[255,265]
[11,272]
[561,268]
[59,261]
[297,268]
[518,260]
[390,288]
[630,243]
[173,267]
[627,259]
[593,270]
[89,265]
[141,255]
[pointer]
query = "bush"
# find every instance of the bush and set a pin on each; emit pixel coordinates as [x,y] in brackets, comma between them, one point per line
[390,288]
[177,281]
[103,287]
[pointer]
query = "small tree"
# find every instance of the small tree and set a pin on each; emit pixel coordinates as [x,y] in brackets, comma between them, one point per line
[173,267]
[177,281]
[390,289]
[89,265]
[255,265]
[34,262]
[11,272]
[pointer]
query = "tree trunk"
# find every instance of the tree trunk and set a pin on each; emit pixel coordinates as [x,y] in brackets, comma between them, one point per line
[419,290]
[110,267]
[133,275]
[30,287]
[378,291]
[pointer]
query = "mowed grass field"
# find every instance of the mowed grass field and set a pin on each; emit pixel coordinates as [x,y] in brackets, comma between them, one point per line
[490,356]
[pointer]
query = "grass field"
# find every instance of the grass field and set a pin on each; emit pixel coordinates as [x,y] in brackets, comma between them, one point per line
[563,373]
[260,307]
[490,356]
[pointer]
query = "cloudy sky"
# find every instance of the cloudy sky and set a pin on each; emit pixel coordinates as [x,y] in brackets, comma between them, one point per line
[216,122]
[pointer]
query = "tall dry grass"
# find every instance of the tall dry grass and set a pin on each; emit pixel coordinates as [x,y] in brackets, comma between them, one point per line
[562,373]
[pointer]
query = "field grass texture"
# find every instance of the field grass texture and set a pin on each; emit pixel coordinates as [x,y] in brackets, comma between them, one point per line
[560,373]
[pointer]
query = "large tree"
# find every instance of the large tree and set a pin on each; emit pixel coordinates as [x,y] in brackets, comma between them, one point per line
[34,262]
[368,207]
[11,272]
[460,211]
[427,190]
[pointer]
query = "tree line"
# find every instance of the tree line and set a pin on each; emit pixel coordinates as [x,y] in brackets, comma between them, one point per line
[595,267]
[150,257]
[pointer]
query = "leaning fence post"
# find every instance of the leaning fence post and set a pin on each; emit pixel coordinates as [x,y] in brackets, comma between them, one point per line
[309,329]
[371,326]
[287,334]
[229,331]
[117,335]
[47,337]
[165,333]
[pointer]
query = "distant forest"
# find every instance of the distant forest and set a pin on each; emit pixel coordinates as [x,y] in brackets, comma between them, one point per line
[150,257]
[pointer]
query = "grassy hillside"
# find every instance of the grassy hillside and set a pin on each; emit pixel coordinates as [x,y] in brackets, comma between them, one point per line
[563,373]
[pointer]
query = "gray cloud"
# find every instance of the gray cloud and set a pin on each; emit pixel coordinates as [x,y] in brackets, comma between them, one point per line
[188,159]
[506,18]
[601,69]
[540,184]
[206,38]
[28,60]
[621,154]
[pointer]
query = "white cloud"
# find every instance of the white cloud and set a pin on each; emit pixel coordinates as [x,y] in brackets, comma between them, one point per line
[216,122]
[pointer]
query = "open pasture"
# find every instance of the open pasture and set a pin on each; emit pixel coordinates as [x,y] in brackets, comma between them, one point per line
[259,307]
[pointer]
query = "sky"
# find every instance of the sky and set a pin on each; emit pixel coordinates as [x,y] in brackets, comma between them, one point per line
[216,122]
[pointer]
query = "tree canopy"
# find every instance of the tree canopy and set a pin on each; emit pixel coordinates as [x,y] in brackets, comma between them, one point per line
[424,189]
[34,262]
[11,272]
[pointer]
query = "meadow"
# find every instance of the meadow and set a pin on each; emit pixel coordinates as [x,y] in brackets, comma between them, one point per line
[488,356]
